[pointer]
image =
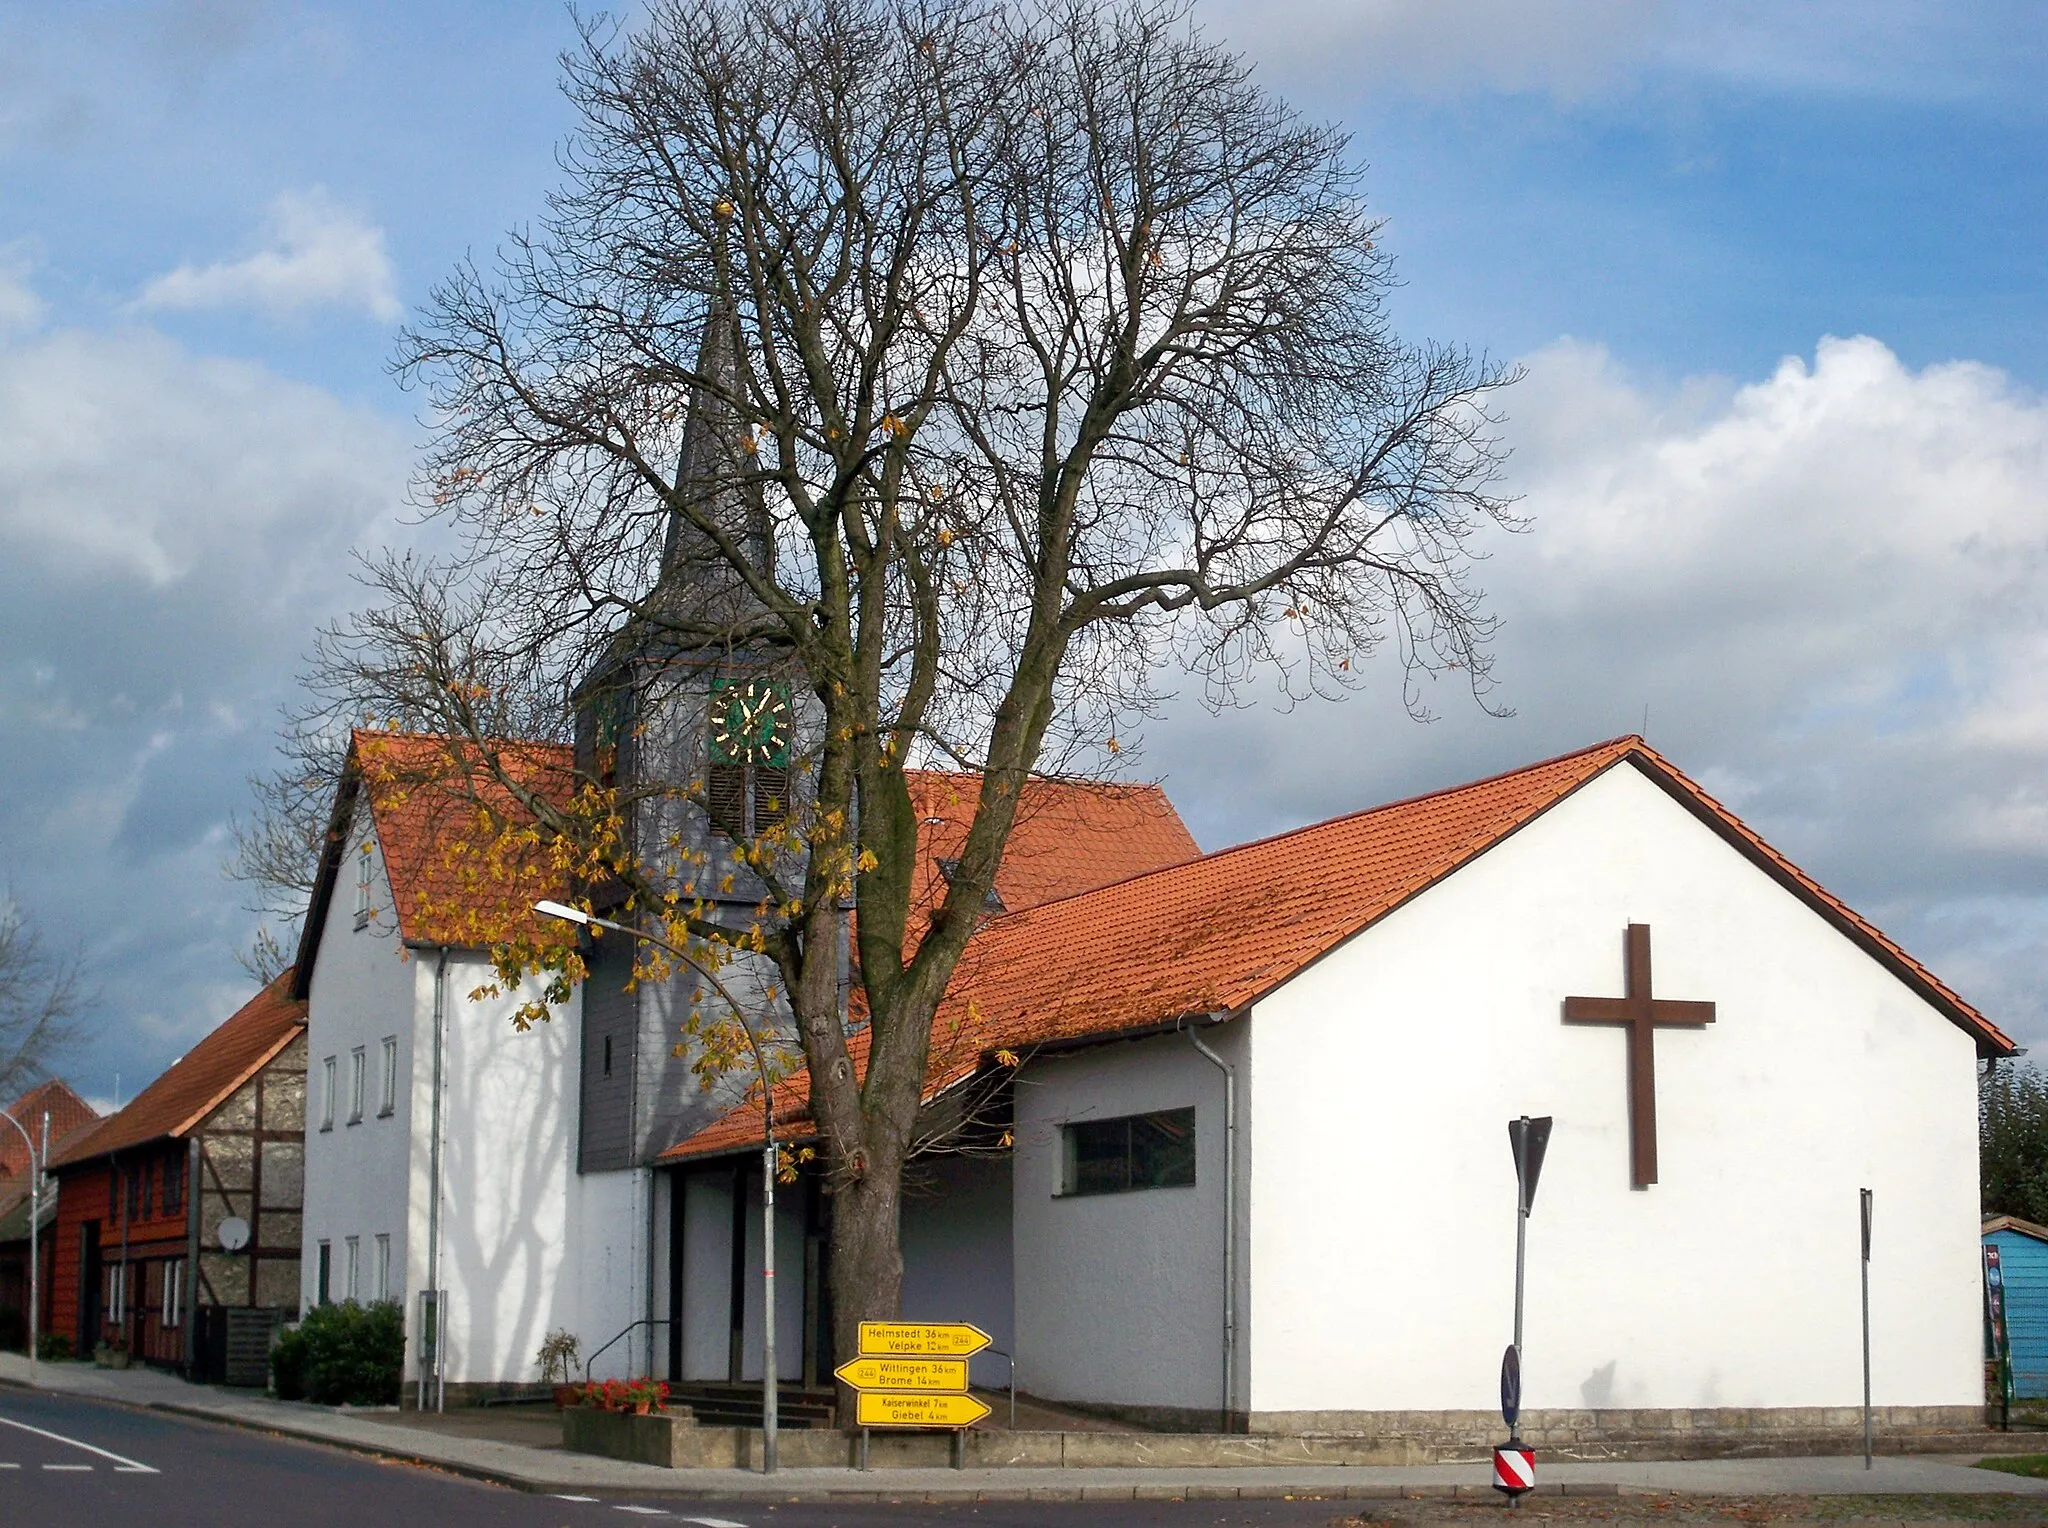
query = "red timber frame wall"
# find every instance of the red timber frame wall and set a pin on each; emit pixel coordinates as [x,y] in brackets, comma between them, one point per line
[125,1235]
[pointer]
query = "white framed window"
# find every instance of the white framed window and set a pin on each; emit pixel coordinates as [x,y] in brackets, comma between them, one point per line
[388,1104]
[363,885]
[117,1292]
[322,1284]
[351,1266]
[173,1312]
[358,1064]
[327,1094]
[383,1265]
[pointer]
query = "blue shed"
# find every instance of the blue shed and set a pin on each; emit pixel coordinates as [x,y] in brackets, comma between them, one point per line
[2023,1253]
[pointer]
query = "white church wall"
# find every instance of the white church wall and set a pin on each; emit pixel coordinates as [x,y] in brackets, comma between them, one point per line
[356,1172]
[957,1265]
[1384,1280]
[1119,1297]
[526,1245]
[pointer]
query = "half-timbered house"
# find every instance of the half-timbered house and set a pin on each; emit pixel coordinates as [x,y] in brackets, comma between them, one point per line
[178,1223]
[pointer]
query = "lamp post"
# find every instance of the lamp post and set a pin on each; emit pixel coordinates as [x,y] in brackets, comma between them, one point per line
[769,1160]
[35,1215]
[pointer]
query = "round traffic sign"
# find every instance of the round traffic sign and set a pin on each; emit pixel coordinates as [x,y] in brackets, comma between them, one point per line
[1510,1385]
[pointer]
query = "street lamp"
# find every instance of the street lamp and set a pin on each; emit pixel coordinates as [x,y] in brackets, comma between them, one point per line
[769,1160]
[36,1162]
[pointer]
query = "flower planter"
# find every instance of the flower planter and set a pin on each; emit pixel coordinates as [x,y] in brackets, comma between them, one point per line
[567,1396]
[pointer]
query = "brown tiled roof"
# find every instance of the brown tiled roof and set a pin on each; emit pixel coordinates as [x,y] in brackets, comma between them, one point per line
[68,1115]
[1070,836]
[436,807]
[1217,933]
[199,1081]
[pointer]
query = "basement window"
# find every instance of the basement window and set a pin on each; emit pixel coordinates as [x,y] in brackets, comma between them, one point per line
[1115,1156]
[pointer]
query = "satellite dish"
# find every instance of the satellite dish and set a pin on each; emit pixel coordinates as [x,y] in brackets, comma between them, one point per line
[233,1233]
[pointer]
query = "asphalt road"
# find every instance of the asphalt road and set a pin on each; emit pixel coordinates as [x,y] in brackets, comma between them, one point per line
[71,1463]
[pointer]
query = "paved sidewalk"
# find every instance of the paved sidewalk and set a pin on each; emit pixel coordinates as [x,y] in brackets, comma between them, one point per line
[394,1435]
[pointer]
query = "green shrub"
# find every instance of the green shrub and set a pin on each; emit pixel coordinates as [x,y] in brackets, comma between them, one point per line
[53,1347]
[342,1355]
[288,1364]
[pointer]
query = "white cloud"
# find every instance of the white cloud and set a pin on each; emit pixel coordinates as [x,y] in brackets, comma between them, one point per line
[1441,46]
[321,255]
[172,529]
[1824,586]
[1896,49]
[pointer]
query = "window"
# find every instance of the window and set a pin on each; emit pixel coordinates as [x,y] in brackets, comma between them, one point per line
[325,1271]
[327,1094]
[383,1265]
[174,1186]
[363,885]
[358,1064]
[116,1293]
[138,1193]
[352,1257]
[389,1103]
[607,1055]
[1110,1156]
[174,1293]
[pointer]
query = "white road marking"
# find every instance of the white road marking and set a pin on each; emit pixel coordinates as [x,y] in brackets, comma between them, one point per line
[560,1497]
[132,1466]
[714,1522]
[643,1511]
[9,1466]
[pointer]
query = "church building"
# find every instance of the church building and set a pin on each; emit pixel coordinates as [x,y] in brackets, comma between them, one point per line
[1261,1179]
[1208,1140]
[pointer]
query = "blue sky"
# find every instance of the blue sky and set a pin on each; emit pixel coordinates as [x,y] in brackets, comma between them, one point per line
[1777,274]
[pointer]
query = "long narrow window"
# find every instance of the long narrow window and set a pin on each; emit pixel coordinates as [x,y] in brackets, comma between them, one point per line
[358,1063]
[1113,1156]
[327,1094]
[383,1265]
[352,1257]
[324,1272]
[388,1105]
[174,1185]
[363,885]
[173,1313]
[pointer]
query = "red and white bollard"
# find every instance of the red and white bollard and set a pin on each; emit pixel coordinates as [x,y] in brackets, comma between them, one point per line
[1514,1470]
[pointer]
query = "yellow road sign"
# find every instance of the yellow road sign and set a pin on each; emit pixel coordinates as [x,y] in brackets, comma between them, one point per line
[887,1409]
[921,1339]
[904,1373]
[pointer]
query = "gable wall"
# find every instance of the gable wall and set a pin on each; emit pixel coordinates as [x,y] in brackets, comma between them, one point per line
[365,986]
[1384,1280]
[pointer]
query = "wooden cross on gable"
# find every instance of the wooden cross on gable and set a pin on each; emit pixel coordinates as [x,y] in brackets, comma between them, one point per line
[1642,1013]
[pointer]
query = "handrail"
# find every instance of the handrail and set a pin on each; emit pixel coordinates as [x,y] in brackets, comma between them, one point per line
[630,1329]
[1006,1358]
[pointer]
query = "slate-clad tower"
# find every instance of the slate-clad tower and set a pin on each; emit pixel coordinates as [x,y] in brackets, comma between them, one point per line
[690,713]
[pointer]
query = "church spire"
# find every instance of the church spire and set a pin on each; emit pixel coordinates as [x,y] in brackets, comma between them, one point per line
[712,478]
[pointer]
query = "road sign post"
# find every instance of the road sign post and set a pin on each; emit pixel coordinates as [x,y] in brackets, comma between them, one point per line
[1514,1467]
[914,1374]
[1864,1196]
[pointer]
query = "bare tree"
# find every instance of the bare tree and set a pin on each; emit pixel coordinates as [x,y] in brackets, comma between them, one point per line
[41,998]
[1020,358]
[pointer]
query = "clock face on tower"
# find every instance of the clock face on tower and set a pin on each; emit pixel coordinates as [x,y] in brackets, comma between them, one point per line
[749,722]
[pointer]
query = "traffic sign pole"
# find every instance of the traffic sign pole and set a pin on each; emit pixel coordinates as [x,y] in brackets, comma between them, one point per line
[1514,1467]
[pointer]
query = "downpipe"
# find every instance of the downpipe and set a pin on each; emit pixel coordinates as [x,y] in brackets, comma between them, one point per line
[1229,1217]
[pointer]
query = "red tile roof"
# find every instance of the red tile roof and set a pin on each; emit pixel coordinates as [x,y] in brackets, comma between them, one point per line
[1217,933]
[1069,836]
[68,1115]
[430,797]
[202,1079]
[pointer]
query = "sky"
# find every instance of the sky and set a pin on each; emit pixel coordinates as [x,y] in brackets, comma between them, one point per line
[1775,275]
